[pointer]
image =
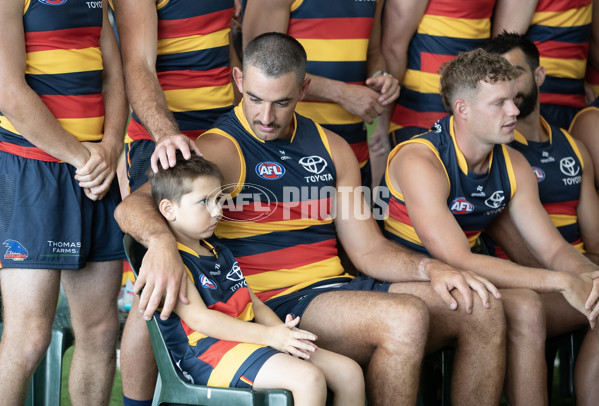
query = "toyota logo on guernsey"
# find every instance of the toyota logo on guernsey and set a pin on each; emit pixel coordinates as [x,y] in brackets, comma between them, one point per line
[539,174]
[568,166]
[313,164]
[461,206]
[235,273]
[270,170]
[496,200]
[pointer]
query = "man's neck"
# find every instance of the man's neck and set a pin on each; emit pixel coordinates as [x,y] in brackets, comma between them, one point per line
[476,153]
[530,126]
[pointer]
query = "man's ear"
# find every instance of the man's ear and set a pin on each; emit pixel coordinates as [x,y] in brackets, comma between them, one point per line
[540,74]
[304,88]
[460,108]
[238,78]
[167,209]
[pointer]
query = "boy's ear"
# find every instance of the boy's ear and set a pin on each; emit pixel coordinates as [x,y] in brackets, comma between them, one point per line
[167,209]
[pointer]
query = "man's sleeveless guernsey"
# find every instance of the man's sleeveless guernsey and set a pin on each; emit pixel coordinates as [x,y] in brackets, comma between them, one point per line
[279,224]
[64,67]
[474,199]
[561,30]
[335,35]
[223,288]
[192,64]
[447,28]
[557,165]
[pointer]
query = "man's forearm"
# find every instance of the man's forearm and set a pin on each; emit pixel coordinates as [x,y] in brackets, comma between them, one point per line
[149,103]
[137,215]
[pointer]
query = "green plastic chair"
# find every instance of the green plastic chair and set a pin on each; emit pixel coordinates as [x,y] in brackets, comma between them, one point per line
[44,387]
[172,388]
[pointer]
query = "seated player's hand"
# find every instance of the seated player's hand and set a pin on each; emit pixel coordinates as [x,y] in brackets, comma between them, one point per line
[592,301]
[578,291]
[444,279]
[162,280]
[166,150]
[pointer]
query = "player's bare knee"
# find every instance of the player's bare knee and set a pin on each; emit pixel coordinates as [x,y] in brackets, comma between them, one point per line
[486,323]
[406,319]
[100,336]
[30,349]
[525,316]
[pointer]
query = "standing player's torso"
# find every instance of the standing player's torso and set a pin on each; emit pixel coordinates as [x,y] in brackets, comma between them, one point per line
[447,28]
[63,66]
[279,222]
[193,63]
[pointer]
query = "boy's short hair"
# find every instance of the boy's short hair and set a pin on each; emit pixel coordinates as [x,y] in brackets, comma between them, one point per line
[173,183]
[468,69]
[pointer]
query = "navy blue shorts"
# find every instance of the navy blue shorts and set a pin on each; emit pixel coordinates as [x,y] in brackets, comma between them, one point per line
[295,303]
[47,222]
[221,363]
[138,155]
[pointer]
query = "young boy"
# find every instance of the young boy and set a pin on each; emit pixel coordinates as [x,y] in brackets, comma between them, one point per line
[209,338]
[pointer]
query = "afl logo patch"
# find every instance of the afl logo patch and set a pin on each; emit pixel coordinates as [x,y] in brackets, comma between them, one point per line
[539,174]
[53,2]
[461,206]
[270,170]
[207,283]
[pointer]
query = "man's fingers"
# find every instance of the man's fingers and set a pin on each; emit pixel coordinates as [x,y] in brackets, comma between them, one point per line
[447,298]
[183,290]
[170,301]
[153,303]
[483,293]
[144,297]
[466,293]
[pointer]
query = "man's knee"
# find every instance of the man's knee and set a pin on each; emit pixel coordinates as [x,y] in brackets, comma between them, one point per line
[486,324]
[406,319]
[30,346]
[525,315]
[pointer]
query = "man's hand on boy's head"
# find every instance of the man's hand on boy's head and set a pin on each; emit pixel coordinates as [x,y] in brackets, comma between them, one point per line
[166,150]
[162,281]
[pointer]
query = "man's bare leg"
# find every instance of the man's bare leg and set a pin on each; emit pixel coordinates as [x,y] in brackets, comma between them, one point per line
[29,297]
[384,332]
[92,294]
[526,377]
[478,338]
[138,365]
[563,318]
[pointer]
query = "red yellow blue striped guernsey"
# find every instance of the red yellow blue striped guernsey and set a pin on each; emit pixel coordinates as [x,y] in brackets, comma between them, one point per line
[561,31]
[63,66]
[207,360]
[335,35]
[474,199]
[279,224]
[558,166]
[192,64]
[447,28]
